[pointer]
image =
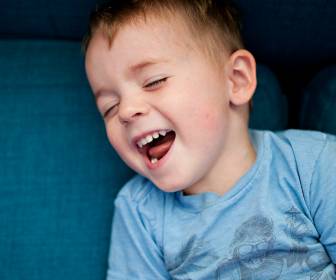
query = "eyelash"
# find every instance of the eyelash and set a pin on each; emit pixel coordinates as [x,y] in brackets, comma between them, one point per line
[109,110]
[155,83]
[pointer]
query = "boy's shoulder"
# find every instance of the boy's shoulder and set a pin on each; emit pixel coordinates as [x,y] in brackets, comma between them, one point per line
[300,140]
[305,136]
[299,143]
[306,151]
[306,143]
[303,157]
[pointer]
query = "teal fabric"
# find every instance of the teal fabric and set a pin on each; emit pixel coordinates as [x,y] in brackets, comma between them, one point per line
[318,103]
[58,173]
[269,104]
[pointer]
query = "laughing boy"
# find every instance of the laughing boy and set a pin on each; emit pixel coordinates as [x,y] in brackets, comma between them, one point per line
[213,199]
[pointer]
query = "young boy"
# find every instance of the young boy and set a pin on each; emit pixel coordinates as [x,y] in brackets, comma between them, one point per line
[214,200]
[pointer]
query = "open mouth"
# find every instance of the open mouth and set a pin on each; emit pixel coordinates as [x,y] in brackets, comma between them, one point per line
[157,145]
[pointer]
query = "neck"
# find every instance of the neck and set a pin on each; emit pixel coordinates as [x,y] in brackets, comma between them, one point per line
[238,157]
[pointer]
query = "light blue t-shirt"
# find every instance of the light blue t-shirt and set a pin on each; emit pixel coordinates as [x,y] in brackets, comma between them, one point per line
[277,222]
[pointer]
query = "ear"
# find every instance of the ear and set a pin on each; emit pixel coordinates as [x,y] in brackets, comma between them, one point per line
[242,77]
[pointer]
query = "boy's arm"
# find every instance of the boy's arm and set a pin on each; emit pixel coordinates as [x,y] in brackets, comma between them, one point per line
[323,196]
[133,252]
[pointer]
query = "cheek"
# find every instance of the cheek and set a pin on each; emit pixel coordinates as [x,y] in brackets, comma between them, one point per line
[209,120]
[115,139]
[205,112]
[118,141]
[208,134]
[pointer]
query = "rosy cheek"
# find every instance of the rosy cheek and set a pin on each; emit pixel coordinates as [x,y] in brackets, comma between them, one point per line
[209,120]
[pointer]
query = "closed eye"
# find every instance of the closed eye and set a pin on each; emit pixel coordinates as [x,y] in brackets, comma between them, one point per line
[110,111]
[155,84]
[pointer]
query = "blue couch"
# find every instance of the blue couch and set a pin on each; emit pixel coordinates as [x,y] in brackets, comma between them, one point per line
[58,174]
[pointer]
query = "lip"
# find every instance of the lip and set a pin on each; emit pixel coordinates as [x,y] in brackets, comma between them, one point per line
[136,139]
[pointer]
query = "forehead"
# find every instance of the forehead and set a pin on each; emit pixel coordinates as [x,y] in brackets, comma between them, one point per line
[147,38]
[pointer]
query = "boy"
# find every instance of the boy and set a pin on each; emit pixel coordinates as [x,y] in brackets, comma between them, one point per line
[214,200]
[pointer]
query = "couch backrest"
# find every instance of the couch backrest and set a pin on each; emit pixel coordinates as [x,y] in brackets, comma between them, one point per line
[58,173]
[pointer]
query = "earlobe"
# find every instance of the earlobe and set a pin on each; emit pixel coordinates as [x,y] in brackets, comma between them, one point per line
[242,77]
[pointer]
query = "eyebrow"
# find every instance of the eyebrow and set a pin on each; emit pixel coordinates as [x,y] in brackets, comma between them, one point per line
[139,66]
[133,69]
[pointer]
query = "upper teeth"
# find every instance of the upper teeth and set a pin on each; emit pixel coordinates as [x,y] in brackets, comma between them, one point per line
[149,138]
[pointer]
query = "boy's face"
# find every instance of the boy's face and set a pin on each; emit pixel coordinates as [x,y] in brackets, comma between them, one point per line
[157,80]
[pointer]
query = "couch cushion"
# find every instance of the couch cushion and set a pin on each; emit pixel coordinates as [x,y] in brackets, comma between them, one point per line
[269,104]
[58,173]
[318,102]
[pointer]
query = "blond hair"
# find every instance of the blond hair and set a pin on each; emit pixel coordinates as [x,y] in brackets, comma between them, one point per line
[213,26]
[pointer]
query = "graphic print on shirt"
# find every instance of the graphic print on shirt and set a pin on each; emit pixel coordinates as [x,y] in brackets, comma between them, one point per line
[299,254]
[252,252]
[193,258]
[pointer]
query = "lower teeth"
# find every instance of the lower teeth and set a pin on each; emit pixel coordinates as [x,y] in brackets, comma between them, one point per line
[154,160]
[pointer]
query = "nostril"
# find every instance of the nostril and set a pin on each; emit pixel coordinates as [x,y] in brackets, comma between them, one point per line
[137,114]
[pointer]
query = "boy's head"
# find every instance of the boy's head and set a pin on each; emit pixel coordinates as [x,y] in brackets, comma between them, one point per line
[173,85]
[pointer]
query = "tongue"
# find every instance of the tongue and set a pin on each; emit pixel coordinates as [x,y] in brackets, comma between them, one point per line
[162,148]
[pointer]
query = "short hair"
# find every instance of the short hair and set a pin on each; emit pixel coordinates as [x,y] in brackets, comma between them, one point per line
[213,25]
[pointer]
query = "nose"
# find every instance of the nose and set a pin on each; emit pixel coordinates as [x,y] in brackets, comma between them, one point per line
[131,109]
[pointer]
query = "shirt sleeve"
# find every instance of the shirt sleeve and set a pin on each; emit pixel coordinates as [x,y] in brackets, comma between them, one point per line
[134,253]
[323,196]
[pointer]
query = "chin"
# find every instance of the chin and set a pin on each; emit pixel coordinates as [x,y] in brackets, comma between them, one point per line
[168,187]
[171,185]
